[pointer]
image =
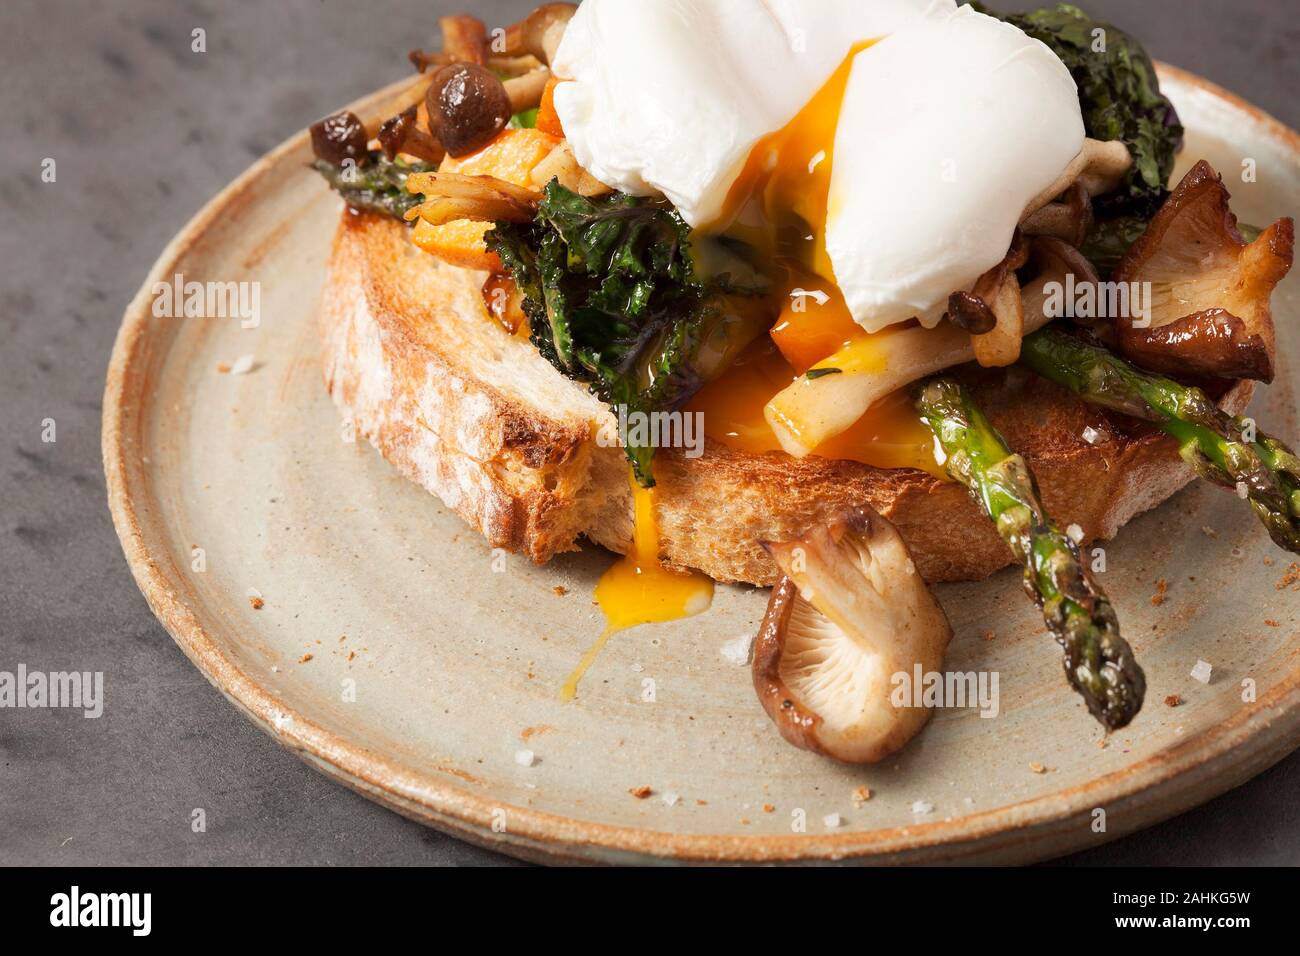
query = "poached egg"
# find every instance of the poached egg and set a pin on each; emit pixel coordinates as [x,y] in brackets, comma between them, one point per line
[949,129]
[884,150]
[670,97]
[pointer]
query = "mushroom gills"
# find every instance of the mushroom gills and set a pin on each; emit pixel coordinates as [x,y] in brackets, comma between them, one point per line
[849,615]
[1209,311]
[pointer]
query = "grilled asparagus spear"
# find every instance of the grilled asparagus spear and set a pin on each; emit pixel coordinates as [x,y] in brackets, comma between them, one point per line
[1223,449]
[1098,662]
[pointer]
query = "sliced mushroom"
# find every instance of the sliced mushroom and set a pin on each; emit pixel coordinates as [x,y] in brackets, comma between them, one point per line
[1210,290]
[849,615]
[403,134]
[451,197]
[539,34]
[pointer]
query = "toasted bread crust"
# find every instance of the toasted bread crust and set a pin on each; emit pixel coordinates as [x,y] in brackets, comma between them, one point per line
[478,418]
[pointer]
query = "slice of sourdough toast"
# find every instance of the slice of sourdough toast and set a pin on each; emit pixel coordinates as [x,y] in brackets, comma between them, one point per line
[477,417]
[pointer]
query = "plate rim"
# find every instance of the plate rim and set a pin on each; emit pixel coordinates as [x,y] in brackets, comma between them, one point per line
[1161,786]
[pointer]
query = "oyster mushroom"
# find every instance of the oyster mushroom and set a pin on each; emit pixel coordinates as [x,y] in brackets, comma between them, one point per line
[1209,312]
[850,613]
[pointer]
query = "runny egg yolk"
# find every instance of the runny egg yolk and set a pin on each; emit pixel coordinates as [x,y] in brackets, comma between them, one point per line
[637,589]
[780,205]
[781,200]
[889,435]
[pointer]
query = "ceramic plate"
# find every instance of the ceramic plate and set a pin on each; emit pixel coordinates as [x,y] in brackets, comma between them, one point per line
[397,654]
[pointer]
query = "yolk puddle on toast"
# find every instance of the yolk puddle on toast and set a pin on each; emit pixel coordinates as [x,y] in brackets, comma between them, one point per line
[637,589]
[889,435]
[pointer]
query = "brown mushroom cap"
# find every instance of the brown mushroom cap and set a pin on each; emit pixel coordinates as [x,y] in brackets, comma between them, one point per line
[338,137]
[468,107]
[970,313]
[850,614]
[1210,312]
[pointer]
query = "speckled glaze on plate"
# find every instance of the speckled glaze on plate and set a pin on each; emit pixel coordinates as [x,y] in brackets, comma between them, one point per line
[399,655]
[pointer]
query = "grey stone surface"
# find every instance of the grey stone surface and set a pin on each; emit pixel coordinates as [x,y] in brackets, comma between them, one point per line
[144,131]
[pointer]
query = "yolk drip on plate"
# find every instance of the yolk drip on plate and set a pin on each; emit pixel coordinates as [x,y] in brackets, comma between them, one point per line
[639,590]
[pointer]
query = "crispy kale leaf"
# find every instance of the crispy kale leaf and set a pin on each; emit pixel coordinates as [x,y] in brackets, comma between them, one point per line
[378,185]
[1121,99]
[614,300]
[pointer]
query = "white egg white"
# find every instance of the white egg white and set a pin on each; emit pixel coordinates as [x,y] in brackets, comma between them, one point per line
[949,128]
[951,122]
[671,96]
